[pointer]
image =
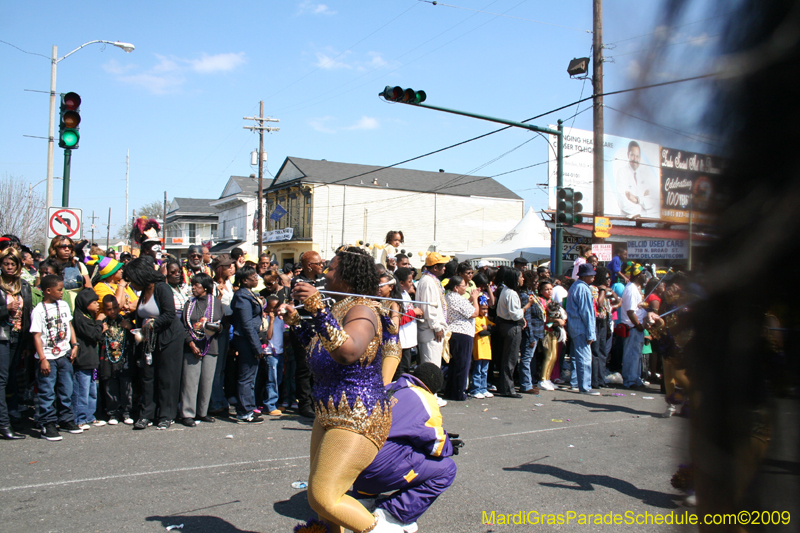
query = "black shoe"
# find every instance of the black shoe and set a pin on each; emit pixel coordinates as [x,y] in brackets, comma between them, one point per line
[10,434]
[70,427]
[251,420]
[51,433]
[188,422]
[307,412]
[513,395]
[207,419]
[164,424]
[142,423]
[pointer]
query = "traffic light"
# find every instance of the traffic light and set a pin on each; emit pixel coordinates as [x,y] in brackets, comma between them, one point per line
[405,96]
[569,207]
[68,135]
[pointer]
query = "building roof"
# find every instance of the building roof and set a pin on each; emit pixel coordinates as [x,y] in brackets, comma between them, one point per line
[191,206]
[299,170]
[240,185]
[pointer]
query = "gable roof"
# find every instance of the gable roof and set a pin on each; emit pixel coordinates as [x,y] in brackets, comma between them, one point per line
[240,185]
[193,206]
[295,169]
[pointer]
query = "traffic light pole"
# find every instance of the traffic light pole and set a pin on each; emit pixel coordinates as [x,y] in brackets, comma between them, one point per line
[559,237]
[67,166]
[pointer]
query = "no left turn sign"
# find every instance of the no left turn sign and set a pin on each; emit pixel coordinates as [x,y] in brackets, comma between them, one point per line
[64,221]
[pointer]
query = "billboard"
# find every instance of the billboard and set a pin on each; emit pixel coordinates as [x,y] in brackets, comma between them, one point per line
[690,183]
[632,185]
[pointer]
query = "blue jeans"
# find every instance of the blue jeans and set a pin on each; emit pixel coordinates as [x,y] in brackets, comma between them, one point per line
[59,381]
[480,371]
[580,355]
[84,396]
[274,378]
[248,367]
[525,380]
[632,358]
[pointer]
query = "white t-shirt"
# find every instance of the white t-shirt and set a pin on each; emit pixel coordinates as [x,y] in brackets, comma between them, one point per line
[276,343]
[631,298]
[408,332]
[559,293]
[52,321]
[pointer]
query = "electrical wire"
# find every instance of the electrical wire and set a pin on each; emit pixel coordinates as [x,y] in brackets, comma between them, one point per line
[694,137]
[663,30]
[25,51]
[437,3]
[701,38]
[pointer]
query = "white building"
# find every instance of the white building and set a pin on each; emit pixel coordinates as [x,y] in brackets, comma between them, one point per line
[328,204]
[190,221]
[236,208]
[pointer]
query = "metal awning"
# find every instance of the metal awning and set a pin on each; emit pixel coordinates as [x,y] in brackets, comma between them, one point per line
[224,247]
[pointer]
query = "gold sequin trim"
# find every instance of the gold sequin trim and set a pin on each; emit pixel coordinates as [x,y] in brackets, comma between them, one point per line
[338,336]
[314,303]
[293,319]
[387,311]
[375,427]
[340,310]
[392,349]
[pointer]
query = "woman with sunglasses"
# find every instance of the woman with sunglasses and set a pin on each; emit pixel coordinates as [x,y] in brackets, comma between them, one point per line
[75,275]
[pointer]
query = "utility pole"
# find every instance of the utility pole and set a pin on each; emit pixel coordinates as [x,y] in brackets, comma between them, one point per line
[261,128]
[127,168]
[108,229]
[93,226]
[597,99]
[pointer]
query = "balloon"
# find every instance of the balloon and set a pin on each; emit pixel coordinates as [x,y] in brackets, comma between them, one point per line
[420,254]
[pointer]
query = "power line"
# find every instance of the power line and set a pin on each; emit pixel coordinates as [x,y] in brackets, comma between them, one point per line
[663,30]
[694,137]
[701,38]
[25,51]
[436,3]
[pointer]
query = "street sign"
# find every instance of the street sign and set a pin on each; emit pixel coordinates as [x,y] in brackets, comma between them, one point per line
[64,221]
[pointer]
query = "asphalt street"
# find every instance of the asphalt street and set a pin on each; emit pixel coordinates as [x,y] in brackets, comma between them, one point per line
[573,453]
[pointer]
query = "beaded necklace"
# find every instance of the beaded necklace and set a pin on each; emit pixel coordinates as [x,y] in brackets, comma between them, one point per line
[197,330]
[60,332]
[115,342]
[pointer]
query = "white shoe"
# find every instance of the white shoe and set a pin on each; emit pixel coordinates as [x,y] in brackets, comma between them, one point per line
[478,396]
[488,394]
[546,385]
[591,392]
[128,421]
[99,423]
[614,379]
[113,421]
[388,521]
[670,411]
[574,389]
[85,427]
[440,402]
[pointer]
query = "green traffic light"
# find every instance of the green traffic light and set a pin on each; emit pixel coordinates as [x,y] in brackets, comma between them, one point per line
[70,138]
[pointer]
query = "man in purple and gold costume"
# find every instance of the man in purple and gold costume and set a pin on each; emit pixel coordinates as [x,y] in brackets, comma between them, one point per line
[415,463]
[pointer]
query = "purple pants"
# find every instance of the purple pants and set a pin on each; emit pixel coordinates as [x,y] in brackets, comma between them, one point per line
[415,479]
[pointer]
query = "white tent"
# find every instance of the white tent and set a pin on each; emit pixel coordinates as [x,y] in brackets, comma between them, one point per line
[530,239]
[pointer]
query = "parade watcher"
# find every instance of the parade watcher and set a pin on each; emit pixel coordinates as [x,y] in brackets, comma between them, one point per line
[532,333]
[433,326]
[246,319]
[465,272]
[601,296]
[88,334]
[74,274]
[408,322]
[584,251]
[222,266]
[15,338]
[581,327]
[274,357]
[481,351]
[393,241]
[181,290]
[54,338]
[194,264]
[632,317]
[202,320]
[461,315]
[162,344]
[108,280]
[510,320]
[116,360]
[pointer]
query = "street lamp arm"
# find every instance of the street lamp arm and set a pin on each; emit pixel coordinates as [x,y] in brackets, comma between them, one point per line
[125,46]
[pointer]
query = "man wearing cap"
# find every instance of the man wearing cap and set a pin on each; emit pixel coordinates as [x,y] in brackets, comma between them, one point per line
[194,264]
[632,316]
[521,264]
[581,329]
[483,266]
[433,325]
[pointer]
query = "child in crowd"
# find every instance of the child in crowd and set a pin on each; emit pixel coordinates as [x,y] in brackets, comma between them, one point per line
[88,334]
[481,352]
[47,267]
[116,374]
[274,357]
[53,334]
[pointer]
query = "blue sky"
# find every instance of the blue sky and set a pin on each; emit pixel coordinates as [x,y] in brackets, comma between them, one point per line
[178,100]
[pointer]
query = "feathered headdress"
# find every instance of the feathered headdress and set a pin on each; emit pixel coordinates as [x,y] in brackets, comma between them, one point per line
[145,230]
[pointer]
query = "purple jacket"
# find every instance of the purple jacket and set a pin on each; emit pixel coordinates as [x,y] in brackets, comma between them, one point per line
[416,418]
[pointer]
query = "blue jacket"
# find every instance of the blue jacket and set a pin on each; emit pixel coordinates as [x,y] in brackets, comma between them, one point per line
[580,310]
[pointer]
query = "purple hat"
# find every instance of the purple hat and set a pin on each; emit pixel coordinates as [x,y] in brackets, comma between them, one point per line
[586,269]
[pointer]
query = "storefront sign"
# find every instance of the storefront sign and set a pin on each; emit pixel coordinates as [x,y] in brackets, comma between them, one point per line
[278,235]
[603,252]
[658,249]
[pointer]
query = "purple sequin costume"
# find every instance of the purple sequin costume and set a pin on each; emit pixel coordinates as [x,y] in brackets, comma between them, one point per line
[352,396]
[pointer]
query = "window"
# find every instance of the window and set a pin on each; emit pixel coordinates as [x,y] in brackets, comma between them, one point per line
[192,233]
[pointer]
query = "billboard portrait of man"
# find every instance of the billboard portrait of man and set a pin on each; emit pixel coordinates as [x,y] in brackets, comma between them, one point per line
[637,187]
